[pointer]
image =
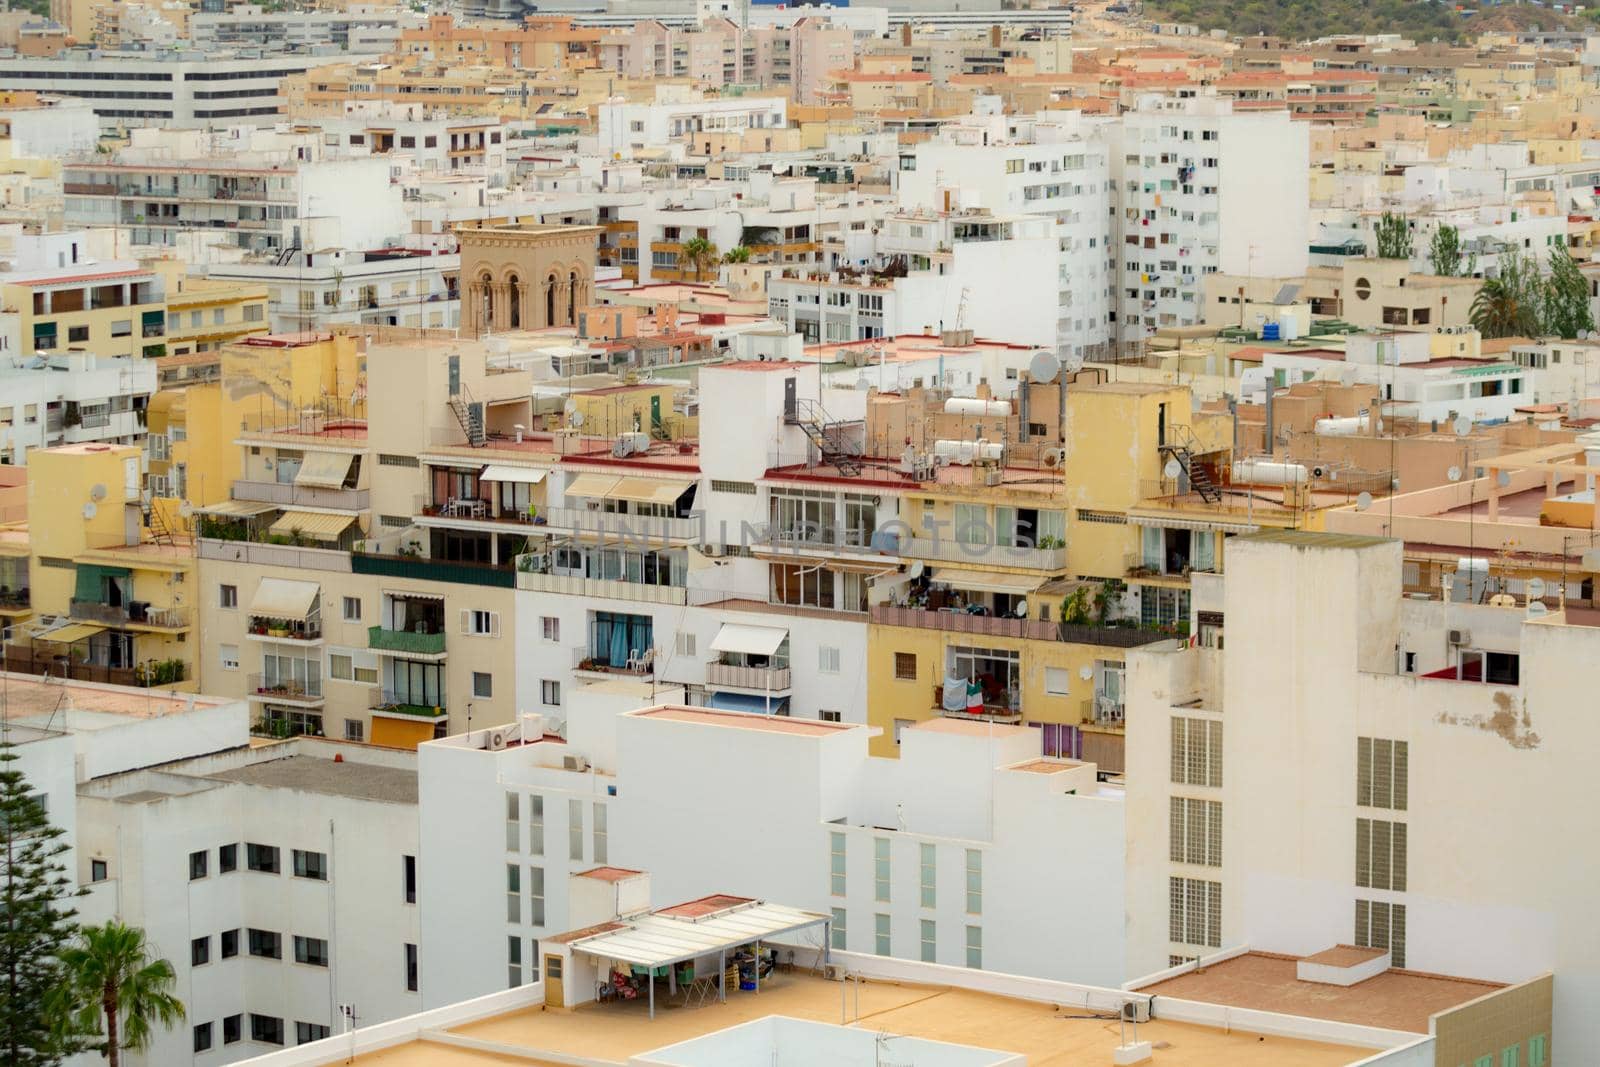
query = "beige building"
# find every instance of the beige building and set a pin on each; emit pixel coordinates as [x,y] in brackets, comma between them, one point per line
[526,277]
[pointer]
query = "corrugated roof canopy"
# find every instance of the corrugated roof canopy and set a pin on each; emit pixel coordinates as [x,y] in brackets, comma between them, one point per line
[750,640]
[987,581]
[501,472]
[592,485]
[284,598]
[324,470]
[319,526]
[658,940]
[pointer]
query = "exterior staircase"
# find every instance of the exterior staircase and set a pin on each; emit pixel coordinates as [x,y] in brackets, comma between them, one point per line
[1181,444]
[825,433]
[469,415]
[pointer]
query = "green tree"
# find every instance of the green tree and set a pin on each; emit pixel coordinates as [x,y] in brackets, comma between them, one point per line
[1566,297]
[737,254]
[701,253]
[114,989]
[36,921]
[1393,237]
[1510,304]
[1444,251]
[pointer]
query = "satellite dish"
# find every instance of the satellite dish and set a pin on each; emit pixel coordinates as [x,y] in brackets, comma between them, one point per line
[1086,673]
[862,384]
[98,492]
[1043,368]
[1022,609]
[575,420]
[1172,469]
[90,510]
[186,509]
[1462,426]
[1535,588]
[1363,501]
[915,570]
[1454,474]
[1503,479]
[1537,608]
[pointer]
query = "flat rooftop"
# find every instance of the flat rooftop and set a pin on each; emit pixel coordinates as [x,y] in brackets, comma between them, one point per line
[1393,1000]
[1045,1034]
[310,774]
[24,696]
[742,720]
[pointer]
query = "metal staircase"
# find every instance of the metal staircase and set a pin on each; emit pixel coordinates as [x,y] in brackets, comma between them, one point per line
[1181,444]
[160,532]
[469,415]
[825,433]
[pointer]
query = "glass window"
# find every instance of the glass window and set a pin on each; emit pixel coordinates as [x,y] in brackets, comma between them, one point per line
[312,951]
[263,858]
[513,893]
[197,865]
[880,868]
[975,947]
[838,938]
[513,823]
[974,882]
[836,860]
[313,865]
[880,931]
[575,830]
[928,864]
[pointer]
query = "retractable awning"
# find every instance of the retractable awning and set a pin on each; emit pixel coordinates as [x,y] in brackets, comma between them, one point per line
[649,490]
[71,633]
[317,525]
[592,485]
[987,581]
[750,640]
[324,470]
[236,509]
[500,472]
[284,598]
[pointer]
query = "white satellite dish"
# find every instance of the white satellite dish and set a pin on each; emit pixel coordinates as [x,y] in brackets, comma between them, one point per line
[186,509]
[1172,469]
[1453,474]
[1535,588]
[1086,673]
[1462,426]
[915,570]
[1363,501]
[1022,609]
[98,492]
[90,510]
[575,420]
[1043,368]
[1537,608]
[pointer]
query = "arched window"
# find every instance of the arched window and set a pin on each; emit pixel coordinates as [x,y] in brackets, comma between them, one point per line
[572,297]
[486,284]
[514,293]
[550,300]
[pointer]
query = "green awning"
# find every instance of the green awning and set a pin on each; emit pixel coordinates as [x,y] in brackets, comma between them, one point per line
[91,586]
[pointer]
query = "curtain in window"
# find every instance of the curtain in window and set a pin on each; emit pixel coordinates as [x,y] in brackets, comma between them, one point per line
[1202,550]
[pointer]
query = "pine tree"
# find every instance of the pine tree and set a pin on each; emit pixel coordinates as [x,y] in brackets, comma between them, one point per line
[36,922]
[1393,235]
[1566,297]
[1444,251]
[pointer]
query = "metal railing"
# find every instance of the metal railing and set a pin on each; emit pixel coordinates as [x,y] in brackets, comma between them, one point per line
[307,495]
[275,687]
[949,550]
[631,527]
[419,644]
[961,622]
[603,588]
[766,679]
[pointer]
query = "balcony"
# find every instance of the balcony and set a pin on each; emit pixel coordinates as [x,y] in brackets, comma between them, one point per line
[94,611]
[15,603]
[136,615]
[1103,710]
[962,623]
[267,629]
[946,550]
[281,690]
[601,588]
[405,643]
[433,570]
[639,528]
[1009,711]
[639,664]
[391,702]
[303,495]
[754,679]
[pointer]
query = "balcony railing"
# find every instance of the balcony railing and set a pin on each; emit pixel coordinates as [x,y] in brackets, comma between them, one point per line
[949,550]
[104,614]
[602,588]
[765,679]
[1102,709]
[286,629]
[961,622]
[288,690]
[398,703]
[18,601]
[433,570]
[640,666]
[634,527]
[306,495]
[405,641]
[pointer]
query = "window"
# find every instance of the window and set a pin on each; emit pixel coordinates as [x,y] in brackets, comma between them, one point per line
[828,716]
[1055,681]
[599,831]
[305,1033]
[929,947]
[352,609]
[575,830]
[255,312]
[905,666]
[1196,831]
[1382,773]
[266,1029]
[550,694]
[411,968]
[513,822]
[550,627]
[227,858]
[536,825]
[928,866]
[836,930]
[1380,924]
[1197,752]
[265,943]
[228,944]
[355,730]
[232,1029]
[311,865]
[200,951]
[1538,1051]
[513,962]
[975,947]
[1381,854]
[513,893]
[880,868]
[408,878]
[536,896]
[482,685]
[202,1037]
[227,596]
[836,857]
[974,882]
[482,623]
[1511,1056]
[827,660]
[97,871]
[263,858]
[880,932]
[197,865]
[311,950]
[1195,912]
[228,656]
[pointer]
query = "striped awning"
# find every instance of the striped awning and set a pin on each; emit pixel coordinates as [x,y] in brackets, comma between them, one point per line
[649,490]
[317,525]
[324,470]
[284,598]
[592,485]
[236,509]
[1173,522]
[987,581]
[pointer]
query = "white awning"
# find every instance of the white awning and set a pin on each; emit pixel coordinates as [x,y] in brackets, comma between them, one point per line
[660,939]
[649,490]
[986,581]
[592,485]
[284,598]
[1172,522]
[324,470]
[317,525]
[750,640]
[500,472]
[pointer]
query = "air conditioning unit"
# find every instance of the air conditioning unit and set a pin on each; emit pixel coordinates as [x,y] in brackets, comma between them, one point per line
[1136,1011]
[497,740]
[574,763]
[834,973]
[1461,637]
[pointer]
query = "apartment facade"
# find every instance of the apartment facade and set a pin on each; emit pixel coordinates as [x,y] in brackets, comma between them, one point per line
[72,398]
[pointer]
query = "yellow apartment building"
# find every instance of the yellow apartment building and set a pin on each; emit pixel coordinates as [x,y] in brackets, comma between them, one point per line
[110,309]
[203,315]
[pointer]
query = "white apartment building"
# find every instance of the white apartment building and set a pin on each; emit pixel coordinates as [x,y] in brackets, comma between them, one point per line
[178,89]
[1052,167]
[1201,189]
[68,398]
[1333,773]
[250,26]
[414,285]
[922,270]
[677,113]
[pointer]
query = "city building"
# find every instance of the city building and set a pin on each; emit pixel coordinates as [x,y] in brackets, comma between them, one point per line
[72,398]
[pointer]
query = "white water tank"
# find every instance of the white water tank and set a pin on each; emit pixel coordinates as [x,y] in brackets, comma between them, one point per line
[961,405]
[1345,426]
[1265,472]
[969,451]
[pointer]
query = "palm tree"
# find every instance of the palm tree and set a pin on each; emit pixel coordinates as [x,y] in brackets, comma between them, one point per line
[737,254]
[700,252]
[111,979]
[1510,303]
